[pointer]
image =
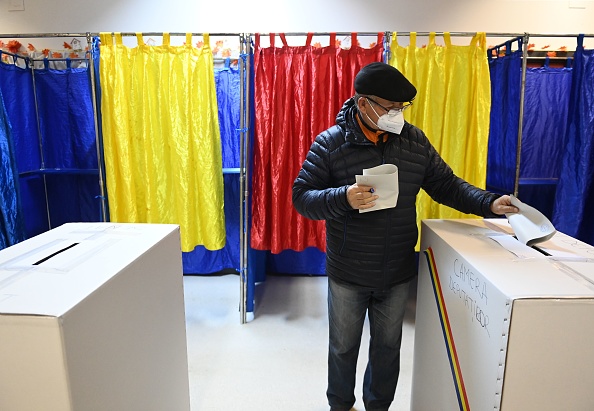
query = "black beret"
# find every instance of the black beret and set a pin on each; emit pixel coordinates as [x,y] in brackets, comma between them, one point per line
[384,81]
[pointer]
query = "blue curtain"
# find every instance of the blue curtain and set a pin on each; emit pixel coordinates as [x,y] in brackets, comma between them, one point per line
[67,124]
[55,151]
[16,85]
[572,214]
[546,102]
[505,72]
[546,105]
[12,228]
[310,261]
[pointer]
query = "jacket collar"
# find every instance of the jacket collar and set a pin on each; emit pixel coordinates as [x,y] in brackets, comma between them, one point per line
[347,119]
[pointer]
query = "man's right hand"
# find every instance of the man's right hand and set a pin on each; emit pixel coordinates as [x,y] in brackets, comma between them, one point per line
[361,197]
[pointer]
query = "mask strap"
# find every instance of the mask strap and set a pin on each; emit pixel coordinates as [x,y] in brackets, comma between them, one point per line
[369,118]
[369,102]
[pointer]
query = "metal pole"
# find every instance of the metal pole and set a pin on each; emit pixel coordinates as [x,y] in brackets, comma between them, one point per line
[247,131]
[471,34]
[419,34]
[40,143]
[100,164]
[41,35]
[345,33]
[177,34]
[521,119]
[387,51]
[245,85]
[242,183]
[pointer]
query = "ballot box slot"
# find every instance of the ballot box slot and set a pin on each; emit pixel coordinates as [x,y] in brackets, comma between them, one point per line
[540,250]
[55,254]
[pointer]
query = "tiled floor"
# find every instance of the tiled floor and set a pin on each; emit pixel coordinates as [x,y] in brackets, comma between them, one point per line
[277,361]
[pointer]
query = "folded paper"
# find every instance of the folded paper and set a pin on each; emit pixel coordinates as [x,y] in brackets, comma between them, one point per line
[529,224]
[384,180]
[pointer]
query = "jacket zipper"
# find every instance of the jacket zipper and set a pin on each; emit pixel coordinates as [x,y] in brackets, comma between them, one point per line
[386,236]
[344,233]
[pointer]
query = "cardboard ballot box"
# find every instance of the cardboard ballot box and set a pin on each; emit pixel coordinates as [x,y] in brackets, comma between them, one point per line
[500,325]
[92,318]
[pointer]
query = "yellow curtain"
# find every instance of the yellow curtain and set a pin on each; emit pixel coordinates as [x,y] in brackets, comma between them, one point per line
[161,137]
[452,107]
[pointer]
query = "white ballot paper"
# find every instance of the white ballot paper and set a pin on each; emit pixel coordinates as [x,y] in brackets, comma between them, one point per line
[529,224]
[384,180]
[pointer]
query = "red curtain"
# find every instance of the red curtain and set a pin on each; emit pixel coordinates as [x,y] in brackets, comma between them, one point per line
[298,92]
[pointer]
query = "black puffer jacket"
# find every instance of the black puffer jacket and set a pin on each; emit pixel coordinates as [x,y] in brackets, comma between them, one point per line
[376,249]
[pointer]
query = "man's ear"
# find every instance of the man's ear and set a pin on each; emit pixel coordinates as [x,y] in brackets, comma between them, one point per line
[361,103]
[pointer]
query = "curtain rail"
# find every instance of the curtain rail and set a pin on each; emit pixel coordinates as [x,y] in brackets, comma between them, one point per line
[398,34]
[427,33]
[42,35]
[549,58]
[338,33]
[511,41]
[470,34]
[126,34]
[38,60]
[177,34]
[455,34]
[558,35]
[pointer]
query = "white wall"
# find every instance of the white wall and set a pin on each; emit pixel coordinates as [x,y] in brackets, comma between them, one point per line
[233,16]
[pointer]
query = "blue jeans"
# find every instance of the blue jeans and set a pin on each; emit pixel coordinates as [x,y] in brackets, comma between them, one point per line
[347,306]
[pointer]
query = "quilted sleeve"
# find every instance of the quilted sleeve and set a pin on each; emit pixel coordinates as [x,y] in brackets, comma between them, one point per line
[446,188]
[313,194]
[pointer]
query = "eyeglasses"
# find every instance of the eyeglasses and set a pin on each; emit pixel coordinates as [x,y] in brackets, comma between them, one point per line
[397,109]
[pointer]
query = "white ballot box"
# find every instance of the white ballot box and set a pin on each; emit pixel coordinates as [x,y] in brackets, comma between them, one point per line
[501,325]
[92,318]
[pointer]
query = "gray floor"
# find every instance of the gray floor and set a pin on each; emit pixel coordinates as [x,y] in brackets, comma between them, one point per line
[277,361]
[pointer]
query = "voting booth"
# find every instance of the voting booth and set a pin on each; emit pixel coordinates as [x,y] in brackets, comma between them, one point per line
[92,318]
[501,325]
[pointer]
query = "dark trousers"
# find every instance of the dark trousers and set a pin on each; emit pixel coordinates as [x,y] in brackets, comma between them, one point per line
[347,307]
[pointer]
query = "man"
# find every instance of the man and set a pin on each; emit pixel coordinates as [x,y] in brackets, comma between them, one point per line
[370,256]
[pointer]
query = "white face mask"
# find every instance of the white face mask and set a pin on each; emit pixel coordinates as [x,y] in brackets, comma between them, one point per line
[392,121]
